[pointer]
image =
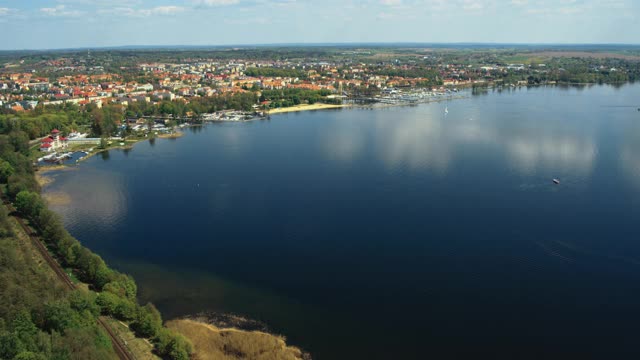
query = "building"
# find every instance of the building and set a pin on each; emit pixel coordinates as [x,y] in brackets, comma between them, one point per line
[54,142]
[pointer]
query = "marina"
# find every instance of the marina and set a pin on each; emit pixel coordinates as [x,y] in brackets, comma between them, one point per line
[55,158]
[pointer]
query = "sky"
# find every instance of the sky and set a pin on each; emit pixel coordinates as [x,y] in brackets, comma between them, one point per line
[51,24]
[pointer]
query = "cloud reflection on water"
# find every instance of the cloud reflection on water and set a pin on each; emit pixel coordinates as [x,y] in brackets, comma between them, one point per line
[423,138]
[346,144]
[545,150]
[630,154]
[100,206]
[412,141]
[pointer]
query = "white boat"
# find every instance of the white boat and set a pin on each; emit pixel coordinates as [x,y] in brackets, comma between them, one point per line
[446,110]
[50,157]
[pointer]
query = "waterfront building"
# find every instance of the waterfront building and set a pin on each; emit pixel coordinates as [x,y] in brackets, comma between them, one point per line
[54,142]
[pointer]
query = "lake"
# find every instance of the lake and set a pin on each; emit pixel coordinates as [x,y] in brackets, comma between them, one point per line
[395,233]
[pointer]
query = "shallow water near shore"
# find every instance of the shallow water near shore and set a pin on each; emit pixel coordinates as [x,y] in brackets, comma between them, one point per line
[390,233]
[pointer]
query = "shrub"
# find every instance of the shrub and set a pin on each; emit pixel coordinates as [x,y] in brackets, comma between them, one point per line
[108,302]
[6,170]
[84,301]
[148,321]
[21,182]
[173,345]
[29,204]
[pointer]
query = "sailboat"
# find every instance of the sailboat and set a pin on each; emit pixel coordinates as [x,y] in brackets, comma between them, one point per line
[446,110]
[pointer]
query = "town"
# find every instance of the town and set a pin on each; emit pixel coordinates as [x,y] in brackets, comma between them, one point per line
[74,103]
[333,76]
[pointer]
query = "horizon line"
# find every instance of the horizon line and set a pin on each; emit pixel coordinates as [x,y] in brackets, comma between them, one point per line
[319,44]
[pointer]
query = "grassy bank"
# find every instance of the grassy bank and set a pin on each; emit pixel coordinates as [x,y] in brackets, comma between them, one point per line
[211,342]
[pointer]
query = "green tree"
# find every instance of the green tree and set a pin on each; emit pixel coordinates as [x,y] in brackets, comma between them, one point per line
[29,204]
[6,170]
[10,346]
[20,141]
[173,345]
[148,321]
[24,327]
[123,286]
[108,302]
[28,355]
[59,316]
[84,301]
[21,182]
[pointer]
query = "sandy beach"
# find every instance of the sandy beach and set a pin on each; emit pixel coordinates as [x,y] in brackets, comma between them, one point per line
[305,107]
[174,135]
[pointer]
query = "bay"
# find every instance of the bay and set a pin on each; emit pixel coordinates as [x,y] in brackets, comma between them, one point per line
[395,233]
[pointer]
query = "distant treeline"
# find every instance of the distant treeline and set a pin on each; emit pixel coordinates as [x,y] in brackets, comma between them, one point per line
[38,320]
[114,59]
[574,71]
[275,72]
[291,97]
[196,105]
[416,72]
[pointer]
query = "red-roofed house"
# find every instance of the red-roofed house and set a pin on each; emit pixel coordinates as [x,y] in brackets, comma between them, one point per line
[54,142]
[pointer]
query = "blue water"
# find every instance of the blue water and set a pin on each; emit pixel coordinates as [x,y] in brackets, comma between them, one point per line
[397,233]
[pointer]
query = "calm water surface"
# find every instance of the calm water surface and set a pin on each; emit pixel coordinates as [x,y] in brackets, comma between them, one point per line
[397,233]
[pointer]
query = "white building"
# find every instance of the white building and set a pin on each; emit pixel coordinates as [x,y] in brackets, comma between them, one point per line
[53,142]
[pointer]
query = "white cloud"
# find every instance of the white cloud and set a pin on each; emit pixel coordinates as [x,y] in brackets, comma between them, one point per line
[4,11]
[122,11]
[60,10]
[131,12]
[539,11]
[110,3]
[165,10]
[570,10]
[573,7]
[248,20]
[471,5]
[391,2]
[216,2]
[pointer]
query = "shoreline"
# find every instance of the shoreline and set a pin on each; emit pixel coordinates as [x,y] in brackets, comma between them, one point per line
[41,174]
[306,107]
[174,135]
[212,339]
[44,180]
[212,324]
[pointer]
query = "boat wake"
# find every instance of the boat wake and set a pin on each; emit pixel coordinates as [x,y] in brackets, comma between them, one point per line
[556,249]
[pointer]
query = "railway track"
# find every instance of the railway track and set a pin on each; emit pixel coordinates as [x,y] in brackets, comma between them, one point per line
[118,346]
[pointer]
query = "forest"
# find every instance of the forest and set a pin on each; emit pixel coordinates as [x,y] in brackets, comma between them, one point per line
[39,319]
